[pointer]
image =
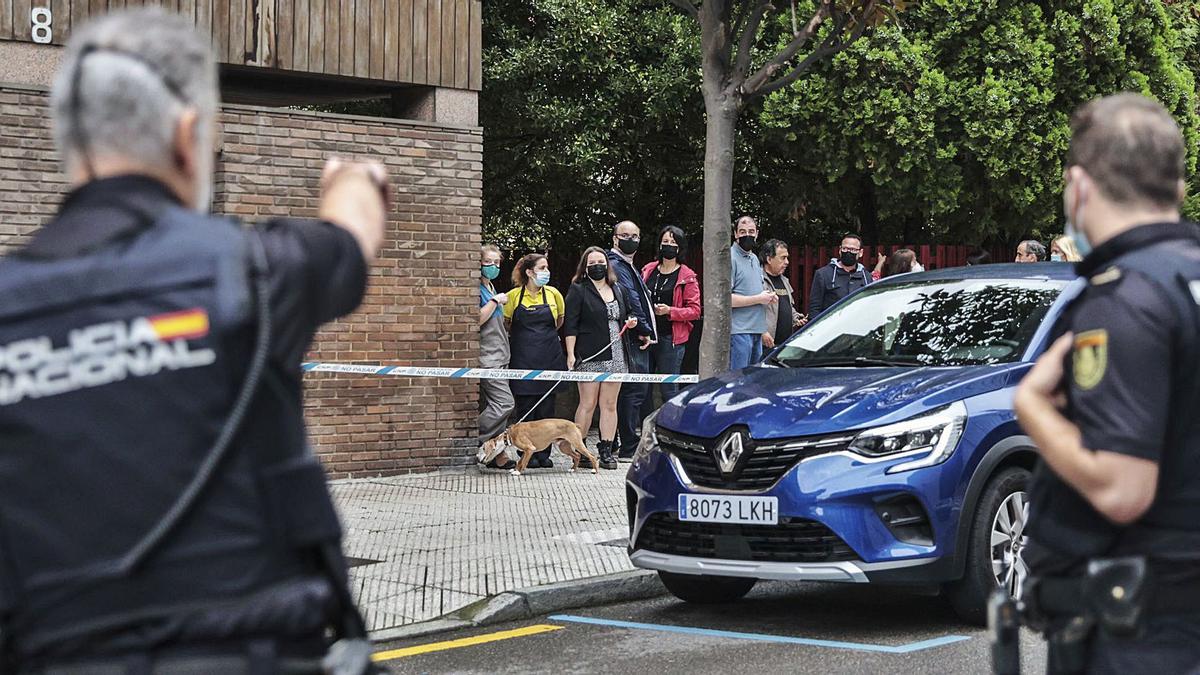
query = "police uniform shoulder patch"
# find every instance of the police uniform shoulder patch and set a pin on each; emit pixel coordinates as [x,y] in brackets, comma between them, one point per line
[1107,276]
[1090,358]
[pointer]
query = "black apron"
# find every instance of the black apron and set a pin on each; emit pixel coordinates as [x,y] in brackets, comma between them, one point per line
[535,345]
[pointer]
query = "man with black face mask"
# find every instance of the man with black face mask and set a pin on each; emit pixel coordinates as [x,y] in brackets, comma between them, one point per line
[748,317]
[841,277]
[627,237]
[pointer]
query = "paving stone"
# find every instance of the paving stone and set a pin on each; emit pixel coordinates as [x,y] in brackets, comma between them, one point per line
[445,540]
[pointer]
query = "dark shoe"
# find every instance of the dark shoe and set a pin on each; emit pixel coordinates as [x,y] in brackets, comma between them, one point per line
[495,464]
[533,462]
[607,461]
[547,463]
[542,458]
[626,456]
[584,462]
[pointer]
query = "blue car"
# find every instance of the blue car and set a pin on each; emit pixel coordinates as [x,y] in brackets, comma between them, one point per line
[877,445]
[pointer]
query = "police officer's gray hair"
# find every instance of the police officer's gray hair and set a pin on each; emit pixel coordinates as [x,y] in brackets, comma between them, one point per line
[140,70]
[1035,248]
[1131,147]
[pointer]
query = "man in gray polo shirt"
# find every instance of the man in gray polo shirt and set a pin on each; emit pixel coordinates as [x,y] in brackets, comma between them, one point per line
[748,318]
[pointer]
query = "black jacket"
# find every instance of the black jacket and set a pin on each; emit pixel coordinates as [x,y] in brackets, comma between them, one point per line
[637,296]
[832,283]
[587,320]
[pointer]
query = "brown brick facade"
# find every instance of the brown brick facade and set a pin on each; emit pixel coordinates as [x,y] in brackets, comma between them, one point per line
[421,301]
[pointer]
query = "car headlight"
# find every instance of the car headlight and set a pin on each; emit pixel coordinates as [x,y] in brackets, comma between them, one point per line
[649,441]
[935,435]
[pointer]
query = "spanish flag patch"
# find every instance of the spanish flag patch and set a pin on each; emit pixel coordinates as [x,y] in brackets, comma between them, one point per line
[184,325]
[1090,358]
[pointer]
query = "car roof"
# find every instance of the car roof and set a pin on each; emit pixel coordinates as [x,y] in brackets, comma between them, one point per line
[1050,271]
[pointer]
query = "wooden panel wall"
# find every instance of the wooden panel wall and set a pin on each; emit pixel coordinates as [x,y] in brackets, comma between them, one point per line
[435,42]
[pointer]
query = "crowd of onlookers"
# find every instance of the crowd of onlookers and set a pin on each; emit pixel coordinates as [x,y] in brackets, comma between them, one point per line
[619,318]
[615,318]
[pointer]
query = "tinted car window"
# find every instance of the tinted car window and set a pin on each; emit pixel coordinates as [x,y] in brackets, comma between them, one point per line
[927,323]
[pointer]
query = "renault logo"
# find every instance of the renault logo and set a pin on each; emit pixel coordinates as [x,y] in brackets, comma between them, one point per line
[729,451]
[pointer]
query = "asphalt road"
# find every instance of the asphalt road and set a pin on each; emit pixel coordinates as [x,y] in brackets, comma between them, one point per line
[783,628]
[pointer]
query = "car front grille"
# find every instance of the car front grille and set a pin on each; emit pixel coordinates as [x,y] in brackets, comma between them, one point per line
[765,462]
[793,540]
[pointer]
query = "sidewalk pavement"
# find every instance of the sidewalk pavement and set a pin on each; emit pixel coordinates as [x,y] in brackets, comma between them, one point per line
[424,545]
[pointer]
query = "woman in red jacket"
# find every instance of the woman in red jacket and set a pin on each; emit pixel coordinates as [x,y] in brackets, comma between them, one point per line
[675,292]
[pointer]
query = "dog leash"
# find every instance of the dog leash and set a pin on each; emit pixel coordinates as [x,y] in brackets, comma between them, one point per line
[551,389]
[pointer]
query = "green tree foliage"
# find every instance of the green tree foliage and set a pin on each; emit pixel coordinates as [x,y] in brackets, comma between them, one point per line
[592,113]
[954,126]
[950,128]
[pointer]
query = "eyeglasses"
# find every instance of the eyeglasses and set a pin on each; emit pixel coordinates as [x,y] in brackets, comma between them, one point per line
[629,237]
[851,249]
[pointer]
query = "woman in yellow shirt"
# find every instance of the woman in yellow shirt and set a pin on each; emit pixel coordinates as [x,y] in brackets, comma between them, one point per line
[534,314]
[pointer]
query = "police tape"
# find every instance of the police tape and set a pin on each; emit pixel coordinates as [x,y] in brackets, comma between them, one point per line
[495,373]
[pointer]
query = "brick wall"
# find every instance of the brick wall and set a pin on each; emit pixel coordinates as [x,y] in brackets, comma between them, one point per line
[421,300]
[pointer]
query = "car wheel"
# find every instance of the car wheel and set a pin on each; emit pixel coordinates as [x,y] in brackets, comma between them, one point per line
[994,547]
[704,589]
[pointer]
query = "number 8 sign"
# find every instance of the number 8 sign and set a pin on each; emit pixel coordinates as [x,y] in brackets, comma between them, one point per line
[40,21]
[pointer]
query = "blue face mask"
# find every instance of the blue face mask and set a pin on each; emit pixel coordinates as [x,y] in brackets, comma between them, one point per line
[1054,257]
[489,272]
[1081,242]
[542,278]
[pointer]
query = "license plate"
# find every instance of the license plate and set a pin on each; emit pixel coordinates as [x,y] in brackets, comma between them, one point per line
[729,509]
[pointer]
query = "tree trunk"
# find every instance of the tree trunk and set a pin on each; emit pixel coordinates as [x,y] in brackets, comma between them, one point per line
[718,200]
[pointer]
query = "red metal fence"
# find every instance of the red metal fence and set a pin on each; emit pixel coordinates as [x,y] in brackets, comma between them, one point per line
[804,262]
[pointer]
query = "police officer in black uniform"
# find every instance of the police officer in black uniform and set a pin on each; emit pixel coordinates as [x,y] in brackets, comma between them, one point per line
[1114,406]
[160,511]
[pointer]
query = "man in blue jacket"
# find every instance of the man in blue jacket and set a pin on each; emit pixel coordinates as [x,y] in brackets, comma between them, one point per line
[626,239]
[841,277]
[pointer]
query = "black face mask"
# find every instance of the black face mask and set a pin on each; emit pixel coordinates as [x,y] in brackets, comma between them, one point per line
[668,251]
[747,243]
[597,272]
[628,246]
[849,258]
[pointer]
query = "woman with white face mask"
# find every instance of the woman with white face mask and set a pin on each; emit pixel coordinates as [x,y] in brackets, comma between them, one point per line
[902,261]
[534,313]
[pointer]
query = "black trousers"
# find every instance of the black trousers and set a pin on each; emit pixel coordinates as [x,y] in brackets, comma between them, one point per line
[1168,644]
[543,411]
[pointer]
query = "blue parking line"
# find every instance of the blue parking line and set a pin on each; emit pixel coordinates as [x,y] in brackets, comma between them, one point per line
[763,637]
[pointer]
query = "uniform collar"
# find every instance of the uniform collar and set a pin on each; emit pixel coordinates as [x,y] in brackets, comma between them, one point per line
[1133,239]
[98,212]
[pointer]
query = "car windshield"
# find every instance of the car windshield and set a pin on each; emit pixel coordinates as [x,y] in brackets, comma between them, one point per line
[926,323]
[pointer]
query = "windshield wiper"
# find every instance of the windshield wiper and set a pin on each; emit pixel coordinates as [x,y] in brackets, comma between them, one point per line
[857,362]
[774,361]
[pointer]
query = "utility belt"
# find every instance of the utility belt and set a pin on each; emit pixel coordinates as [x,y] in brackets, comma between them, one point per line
[253,657]
[1112,594]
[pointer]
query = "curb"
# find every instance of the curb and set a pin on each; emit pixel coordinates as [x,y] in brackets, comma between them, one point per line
[527,603]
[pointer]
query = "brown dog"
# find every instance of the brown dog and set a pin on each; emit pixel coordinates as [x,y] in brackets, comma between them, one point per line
[531,437]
